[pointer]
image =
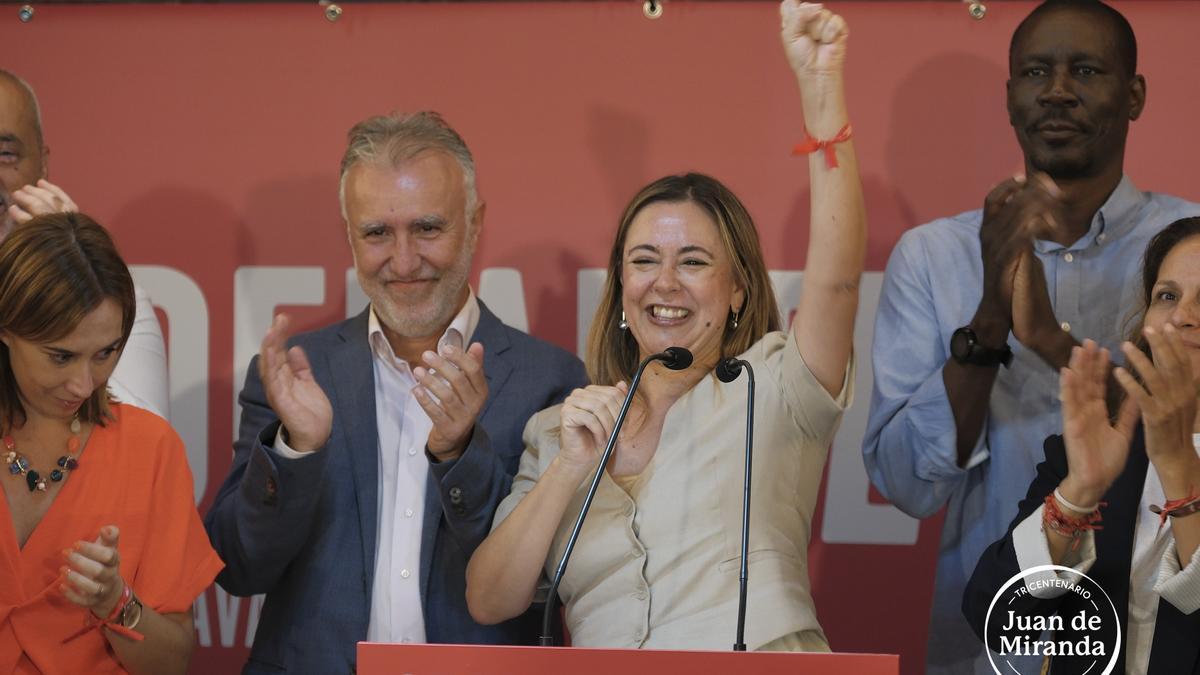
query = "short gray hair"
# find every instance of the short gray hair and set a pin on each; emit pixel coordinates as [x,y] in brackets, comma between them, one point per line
[394,138]
[33,103]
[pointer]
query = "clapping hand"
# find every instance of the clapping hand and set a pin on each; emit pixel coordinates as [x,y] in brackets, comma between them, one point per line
[91,577]
[1097,449]
[451,389]
[1033,322]
[1037,213]
[292,392]
[1166,398]
[1015,212]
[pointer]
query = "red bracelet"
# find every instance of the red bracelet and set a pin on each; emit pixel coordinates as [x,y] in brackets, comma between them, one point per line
[1071,527]
[810,145]
[1177,508]
[94,622]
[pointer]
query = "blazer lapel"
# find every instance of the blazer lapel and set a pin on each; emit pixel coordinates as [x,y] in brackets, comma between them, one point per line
[429,534]
[1175,648]
[354,407]
[1114,543]
[496,368]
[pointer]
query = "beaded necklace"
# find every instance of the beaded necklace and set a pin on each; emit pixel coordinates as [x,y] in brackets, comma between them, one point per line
[18,464]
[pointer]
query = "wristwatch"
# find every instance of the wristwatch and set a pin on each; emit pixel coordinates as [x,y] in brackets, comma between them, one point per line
[131,613]
[965,348]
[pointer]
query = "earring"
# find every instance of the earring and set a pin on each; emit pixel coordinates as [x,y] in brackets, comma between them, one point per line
[736,316]
[623,324]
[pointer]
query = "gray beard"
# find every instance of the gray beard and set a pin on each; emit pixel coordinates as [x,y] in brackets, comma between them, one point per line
[443,305]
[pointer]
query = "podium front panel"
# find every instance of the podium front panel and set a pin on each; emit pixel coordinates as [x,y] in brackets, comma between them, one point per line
[401,659]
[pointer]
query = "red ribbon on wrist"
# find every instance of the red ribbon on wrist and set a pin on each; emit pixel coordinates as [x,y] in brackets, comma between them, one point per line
[1177,508]
[1071,527]
[94,622]
[810,145]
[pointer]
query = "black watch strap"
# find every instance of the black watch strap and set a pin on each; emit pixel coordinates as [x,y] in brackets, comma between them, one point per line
[965,349]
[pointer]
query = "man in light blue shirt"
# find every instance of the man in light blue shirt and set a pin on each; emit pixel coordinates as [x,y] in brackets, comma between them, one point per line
[983,308]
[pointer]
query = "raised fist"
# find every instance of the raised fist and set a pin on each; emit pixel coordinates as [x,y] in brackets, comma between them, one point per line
[814,38]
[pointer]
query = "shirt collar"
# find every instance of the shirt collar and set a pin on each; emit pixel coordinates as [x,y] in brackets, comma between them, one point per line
[464,323]
[1114,219]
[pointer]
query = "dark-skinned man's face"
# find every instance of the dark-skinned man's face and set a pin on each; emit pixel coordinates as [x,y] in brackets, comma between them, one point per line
[1070,99]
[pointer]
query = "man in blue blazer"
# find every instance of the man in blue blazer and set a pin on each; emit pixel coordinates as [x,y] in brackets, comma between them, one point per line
[372,453]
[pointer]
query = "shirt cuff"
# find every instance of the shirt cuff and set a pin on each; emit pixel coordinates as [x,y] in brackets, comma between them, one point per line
[281,448]
[1032,549]
[931,426]
[1180,587]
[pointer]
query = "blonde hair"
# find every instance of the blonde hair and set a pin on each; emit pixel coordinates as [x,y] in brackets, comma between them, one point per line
[612,353]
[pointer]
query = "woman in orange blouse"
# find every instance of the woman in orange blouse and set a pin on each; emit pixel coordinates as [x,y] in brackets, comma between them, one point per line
[101,550]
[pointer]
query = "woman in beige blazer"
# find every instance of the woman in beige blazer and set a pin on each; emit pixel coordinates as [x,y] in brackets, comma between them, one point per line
[656,564]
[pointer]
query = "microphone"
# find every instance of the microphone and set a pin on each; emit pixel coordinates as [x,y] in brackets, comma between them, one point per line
[675,358]
[728,371]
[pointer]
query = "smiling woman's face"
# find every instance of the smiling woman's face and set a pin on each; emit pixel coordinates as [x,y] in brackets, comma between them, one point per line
[1175,299]
[678,283]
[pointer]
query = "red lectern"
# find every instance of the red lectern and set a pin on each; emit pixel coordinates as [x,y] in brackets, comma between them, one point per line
[390,659]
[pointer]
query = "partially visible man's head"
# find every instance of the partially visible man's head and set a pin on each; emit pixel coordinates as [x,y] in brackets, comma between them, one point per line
[1122,32]
[412,217]
[23,152]
[1073,87]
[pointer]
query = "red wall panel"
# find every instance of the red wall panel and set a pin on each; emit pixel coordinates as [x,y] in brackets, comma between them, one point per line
[208,138]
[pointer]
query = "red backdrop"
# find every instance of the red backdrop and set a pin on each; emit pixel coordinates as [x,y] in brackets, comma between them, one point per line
[208,138]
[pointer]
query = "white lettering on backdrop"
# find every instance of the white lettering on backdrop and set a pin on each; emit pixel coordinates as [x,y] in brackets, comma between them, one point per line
[849,516]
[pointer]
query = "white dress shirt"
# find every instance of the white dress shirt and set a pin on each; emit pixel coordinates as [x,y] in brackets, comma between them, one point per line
[403,430]
[1154,571]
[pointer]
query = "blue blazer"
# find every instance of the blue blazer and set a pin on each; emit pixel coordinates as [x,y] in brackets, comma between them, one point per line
[303,531]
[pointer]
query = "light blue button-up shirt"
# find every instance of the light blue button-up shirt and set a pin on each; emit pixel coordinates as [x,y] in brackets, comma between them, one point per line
[932,286]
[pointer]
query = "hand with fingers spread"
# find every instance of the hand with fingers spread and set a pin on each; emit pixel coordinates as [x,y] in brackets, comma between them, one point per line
[451,389]
[39,199]
[1097,448]
[814,39]
[1166,398]
[588,417]
[292,391]
[92,574]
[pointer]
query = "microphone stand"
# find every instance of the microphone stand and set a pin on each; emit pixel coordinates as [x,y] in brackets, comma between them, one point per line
[675,358]
[727,371]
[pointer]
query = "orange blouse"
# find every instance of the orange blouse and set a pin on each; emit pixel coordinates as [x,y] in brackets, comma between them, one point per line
[132,473]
